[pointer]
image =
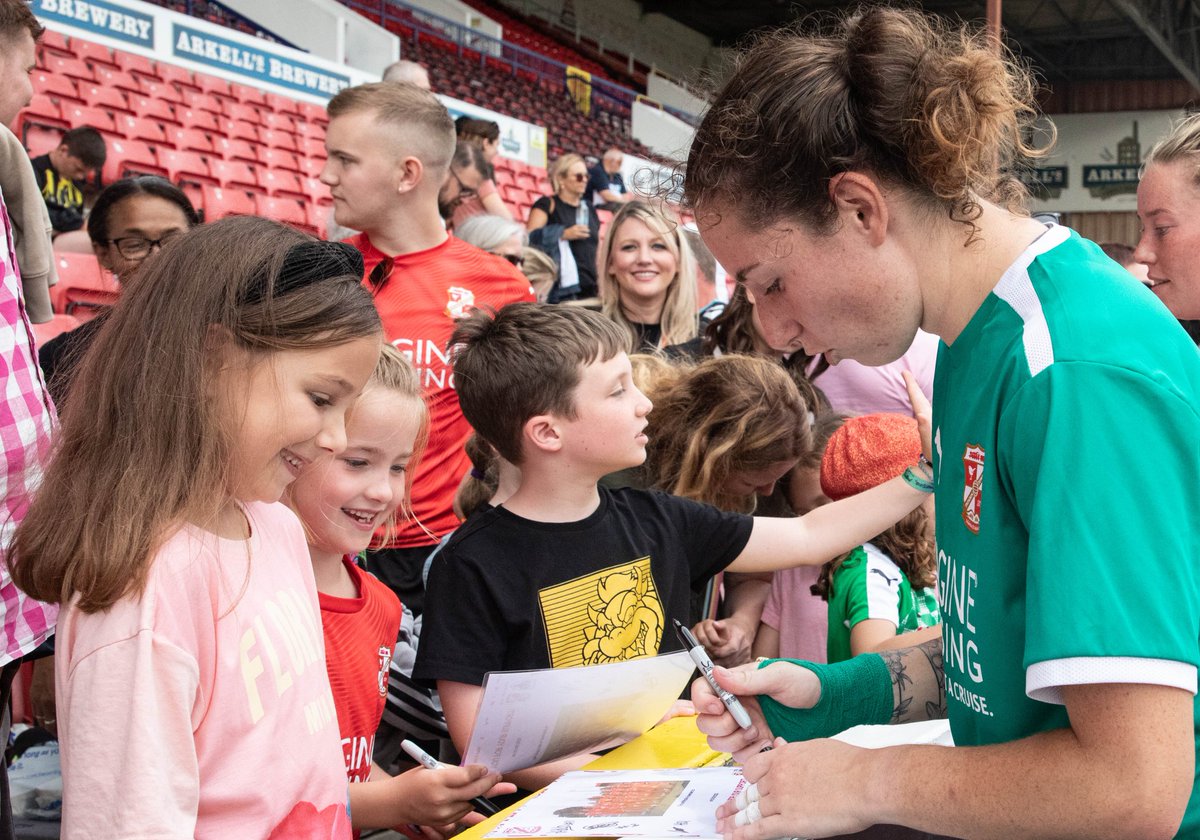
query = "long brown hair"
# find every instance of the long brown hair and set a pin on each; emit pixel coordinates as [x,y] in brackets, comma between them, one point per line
[727,413]
[142,447]
[934,109]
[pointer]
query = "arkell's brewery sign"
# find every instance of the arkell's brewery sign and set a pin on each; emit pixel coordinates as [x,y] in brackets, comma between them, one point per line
[1120,178]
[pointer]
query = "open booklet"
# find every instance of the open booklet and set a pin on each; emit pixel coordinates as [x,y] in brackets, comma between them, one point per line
[626,803]
[531,717]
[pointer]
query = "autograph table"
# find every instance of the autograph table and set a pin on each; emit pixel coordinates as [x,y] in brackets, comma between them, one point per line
[678,743]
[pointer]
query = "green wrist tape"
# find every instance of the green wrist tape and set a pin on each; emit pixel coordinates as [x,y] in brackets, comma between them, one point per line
[857,691]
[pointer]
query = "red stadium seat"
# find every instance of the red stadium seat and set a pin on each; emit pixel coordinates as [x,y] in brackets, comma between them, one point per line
[194,118]
[38,137]
[185,166]
[59,87]
[126,157]
[103,96]
[317,192]
[233,173]
[318,218]
[43,109]
[278,159]
[55,40]
[134,63]
[162,90]
[527,182]
[174,74]
[503,178]
[202,101]
[286,210]
[92,52]
[278,139]
[242,111]
[516,195]
[83,288]
[279,122]
[219,203]
[70,66]
[311,165]
[140,128]
[241,130]
[55,327]
[281,184]
[282,104]
[310,147]
[313,113]
[316,131]
[151,108]
[211,84]
[78,115]
[112,77]
[245,93]
[230,149]
[189,139]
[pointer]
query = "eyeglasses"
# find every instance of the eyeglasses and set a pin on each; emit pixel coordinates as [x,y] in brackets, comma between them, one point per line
[138,247]
[464,192]
[380,273]
[578,176]
[515,259]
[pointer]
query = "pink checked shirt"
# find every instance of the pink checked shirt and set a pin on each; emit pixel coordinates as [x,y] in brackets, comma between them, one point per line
[26,421]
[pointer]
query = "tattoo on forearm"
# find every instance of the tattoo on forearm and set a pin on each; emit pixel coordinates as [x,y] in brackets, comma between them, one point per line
[918,682]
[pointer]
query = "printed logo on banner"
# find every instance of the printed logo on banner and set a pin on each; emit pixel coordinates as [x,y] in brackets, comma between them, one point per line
[254,63]
[99,17]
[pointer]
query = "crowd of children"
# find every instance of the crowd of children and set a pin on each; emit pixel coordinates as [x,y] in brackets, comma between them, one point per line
[241,431]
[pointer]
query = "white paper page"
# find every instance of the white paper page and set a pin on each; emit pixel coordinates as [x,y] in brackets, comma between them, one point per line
[891,735]
[626,803]
[530,717]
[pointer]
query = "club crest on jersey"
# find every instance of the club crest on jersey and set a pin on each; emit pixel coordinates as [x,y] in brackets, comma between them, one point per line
[972,485]
[459,302]
[385,661]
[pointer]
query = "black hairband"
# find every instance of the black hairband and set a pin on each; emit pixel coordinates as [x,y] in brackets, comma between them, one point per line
[307,263]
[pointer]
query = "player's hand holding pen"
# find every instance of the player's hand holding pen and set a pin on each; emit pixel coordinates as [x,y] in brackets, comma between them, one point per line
[787,683]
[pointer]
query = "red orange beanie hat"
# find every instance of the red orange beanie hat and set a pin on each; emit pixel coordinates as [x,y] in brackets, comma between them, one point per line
[867,451]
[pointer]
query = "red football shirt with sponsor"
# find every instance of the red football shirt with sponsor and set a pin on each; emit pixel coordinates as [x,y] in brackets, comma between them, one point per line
[360,634]
[419,302]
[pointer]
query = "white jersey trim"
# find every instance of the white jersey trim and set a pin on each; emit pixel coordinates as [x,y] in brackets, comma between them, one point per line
[1015,289]
[882,579]
[1043,680]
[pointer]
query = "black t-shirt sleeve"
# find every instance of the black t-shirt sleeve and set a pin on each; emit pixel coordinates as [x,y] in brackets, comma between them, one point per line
[711,538]
[463,634]
[543,204]
[597,180]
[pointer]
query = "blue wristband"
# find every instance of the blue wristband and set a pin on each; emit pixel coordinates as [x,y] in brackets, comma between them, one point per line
[857,691]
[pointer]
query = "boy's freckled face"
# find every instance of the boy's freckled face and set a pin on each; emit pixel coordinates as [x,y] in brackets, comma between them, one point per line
[608,430]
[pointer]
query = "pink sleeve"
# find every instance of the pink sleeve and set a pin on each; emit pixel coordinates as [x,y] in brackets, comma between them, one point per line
[773,607]
[488,187]
[129,762]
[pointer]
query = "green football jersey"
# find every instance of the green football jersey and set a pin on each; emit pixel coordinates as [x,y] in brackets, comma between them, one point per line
[868,584]
[1067,458]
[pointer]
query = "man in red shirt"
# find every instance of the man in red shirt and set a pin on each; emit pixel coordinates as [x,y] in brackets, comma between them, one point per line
[390,148]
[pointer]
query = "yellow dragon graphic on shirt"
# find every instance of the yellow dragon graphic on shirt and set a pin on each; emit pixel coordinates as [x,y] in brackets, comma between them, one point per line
[607,616]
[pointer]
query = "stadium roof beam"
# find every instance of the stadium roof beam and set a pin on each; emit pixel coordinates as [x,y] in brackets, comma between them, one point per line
[1171,26]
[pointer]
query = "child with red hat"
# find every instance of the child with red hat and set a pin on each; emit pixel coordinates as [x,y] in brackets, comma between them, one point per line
[883,588]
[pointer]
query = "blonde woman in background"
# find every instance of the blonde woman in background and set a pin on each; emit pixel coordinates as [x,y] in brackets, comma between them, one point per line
[649,278]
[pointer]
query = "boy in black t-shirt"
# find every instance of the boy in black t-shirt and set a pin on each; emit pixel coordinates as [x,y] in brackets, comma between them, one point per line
[564,572]
[60,175]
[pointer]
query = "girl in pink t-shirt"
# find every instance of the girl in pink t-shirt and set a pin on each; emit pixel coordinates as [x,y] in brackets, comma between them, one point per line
[343,499]
[192,699]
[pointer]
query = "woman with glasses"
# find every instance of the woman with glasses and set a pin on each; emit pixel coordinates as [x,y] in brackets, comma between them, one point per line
[486,135]
[569,230]
[131,219]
